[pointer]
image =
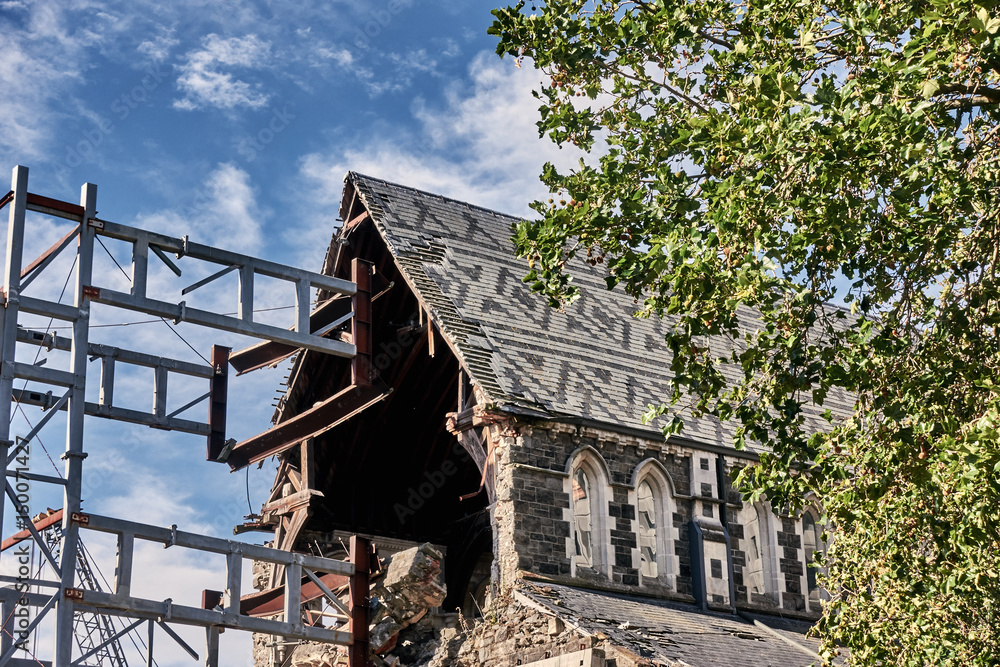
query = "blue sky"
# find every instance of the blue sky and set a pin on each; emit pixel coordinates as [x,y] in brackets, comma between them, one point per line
[235,122]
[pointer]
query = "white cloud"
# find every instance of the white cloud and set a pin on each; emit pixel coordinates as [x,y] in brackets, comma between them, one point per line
[38,64]
[205,83]
[158,48]
[482,147]
[222,212]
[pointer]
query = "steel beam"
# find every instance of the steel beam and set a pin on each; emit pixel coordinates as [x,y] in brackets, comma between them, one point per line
[186,248]
[362,371]
[172,537]
[40,525]
[268,352]
[29,397]
[9,312]
[218,391]
[185,615]
[33,269]
[358,654]
[181,313]
[79,347]
[54,207]
[52,341]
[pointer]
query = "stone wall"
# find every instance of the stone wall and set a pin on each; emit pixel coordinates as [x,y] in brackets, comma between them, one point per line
[534,518]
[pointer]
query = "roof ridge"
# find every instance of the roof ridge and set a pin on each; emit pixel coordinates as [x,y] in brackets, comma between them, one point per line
[355,174]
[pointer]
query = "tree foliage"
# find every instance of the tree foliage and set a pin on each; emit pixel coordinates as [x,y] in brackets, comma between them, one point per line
[781,156]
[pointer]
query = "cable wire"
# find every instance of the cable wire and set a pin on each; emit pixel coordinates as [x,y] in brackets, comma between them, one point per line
[249,504]
[129,278]
[38,352]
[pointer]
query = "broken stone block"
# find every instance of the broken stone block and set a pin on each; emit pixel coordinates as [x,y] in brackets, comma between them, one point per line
[411,585]
[383,635]
[318,655]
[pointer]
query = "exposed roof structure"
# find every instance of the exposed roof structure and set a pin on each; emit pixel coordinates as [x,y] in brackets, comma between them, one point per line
[594,361]
[669,633]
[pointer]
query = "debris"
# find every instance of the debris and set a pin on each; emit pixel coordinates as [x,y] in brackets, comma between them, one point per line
[410,587]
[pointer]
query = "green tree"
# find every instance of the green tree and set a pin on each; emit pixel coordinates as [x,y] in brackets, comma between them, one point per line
[779,156]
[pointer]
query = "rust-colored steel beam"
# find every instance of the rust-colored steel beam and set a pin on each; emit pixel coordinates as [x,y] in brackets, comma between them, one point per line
[268,353]
[333,411]
[218,390]
[55,248]
[362,371]
[36,202]
[40,525]
[271,602]
[358,653]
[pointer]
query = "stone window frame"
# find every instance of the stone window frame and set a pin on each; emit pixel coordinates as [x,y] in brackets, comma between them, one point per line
[767,547]
[653,471]
[819,526]
[599,477]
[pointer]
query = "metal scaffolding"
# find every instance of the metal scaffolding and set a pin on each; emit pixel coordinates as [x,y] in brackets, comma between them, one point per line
[55,390]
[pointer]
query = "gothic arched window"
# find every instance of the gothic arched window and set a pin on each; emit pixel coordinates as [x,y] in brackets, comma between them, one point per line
[583,516]
[758,573]
[812,543]
[655,533]
[588,509]
[649,542]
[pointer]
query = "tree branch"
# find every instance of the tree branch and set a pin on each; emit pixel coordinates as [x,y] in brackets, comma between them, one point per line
[967,103]
[992,94]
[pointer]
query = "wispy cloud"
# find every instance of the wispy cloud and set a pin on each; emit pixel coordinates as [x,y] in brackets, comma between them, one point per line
[206,79]
[223,212]
[158,48]
[481,146]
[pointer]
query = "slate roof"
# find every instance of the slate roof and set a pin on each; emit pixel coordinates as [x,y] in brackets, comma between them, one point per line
[593,361]
[674,634]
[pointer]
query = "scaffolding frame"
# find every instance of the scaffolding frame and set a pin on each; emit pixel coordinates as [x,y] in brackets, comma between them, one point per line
[68,391]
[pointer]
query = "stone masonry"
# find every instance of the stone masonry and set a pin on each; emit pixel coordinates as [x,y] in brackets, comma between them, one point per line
[534,521]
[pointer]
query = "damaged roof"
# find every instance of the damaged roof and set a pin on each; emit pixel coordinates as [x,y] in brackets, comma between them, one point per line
[666,633]
[593,361]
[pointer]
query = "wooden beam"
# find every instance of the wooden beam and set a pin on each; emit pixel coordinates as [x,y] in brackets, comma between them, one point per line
[291,503]
[307,464]
[321,418]
[430,336]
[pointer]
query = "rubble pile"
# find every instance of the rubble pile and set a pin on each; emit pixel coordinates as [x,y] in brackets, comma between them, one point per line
[408,588]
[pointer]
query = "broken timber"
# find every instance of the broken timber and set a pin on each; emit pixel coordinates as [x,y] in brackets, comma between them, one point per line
[333,411]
